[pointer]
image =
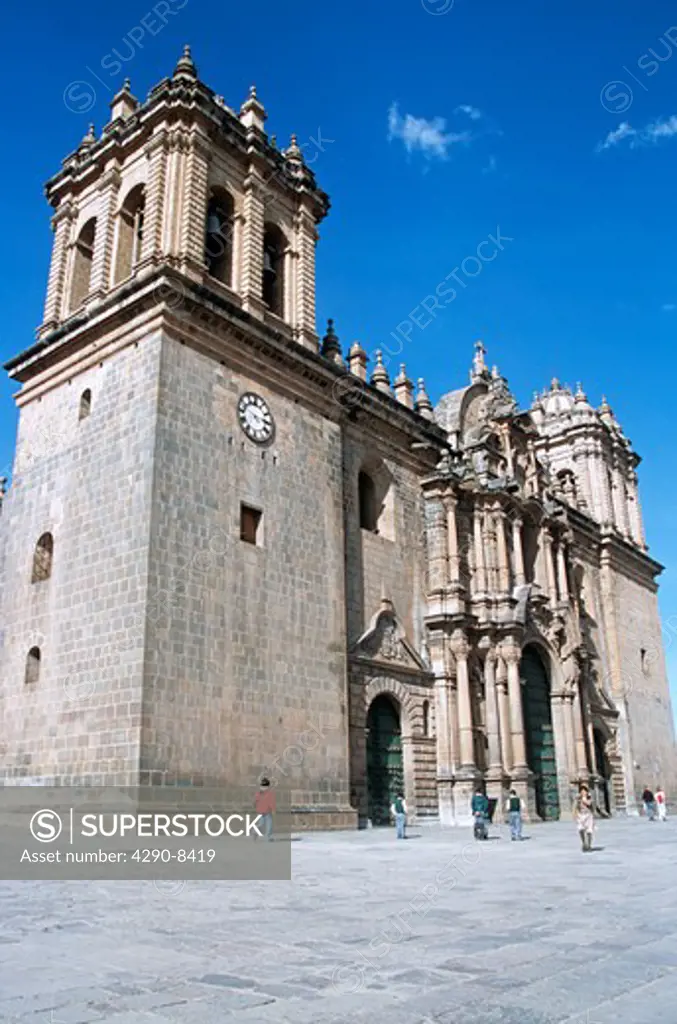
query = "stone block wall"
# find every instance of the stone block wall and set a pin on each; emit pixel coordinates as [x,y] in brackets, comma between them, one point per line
[246,663]
[88,483]
[644,683]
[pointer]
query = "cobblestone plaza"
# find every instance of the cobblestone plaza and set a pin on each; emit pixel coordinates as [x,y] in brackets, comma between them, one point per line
[435,929]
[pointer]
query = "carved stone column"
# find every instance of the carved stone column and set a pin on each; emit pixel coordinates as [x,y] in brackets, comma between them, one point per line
[583,475]
[635,512]
[304,318]
[549,565]
[563,737]
[444,726]
[503,700]
[511,654]
[491,702]
[62,223]
[461,650]
[517,553]
[479,575]
[156,152]
[579,735]
[563,584]
[495,776]
[502,550]
[105,232]
[252,243]
[436,534]
[452,540]
[193,202]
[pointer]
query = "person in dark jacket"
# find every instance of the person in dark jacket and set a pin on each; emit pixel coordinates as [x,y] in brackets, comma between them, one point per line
[649,804]
[480,811]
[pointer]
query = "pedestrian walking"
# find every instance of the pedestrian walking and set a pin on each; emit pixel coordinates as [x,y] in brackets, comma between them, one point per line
[265,806]
[480,812]
[649,804]
[514,806]
[661,805]
[398,809]
[585,821]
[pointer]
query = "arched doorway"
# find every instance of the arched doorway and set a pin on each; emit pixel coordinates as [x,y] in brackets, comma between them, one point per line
[602,769]
[385,773]
[538,731]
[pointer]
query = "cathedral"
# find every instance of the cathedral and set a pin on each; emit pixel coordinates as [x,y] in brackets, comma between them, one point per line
[233,548]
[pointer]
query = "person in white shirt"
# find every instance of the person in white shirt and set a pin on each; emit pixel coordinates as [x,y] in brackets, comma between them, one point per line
[661,805]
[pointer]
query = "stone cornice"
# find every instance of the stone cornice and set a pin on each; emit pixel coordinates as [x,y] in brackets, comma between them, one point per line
[210,322]
[194,105]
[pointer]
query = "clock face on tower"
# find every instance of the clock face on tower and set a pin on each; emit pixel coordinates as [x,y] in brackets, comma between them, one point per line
[255,418]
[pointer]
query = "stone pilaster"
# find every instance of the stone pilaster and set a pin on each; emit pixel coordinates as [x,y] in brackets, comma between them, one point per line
[252,244]
[461,650]
[193,203]
[635,512]
[503,700]
[581,760]
[62,224]
[551,583]
[495,776]
[517,552]
[502,552]
[154,223]
[306,240]
[480,573]
[562,582]
[583,475]
[510,651]
[104,238]
[436,533]
[450,504]
[562,727]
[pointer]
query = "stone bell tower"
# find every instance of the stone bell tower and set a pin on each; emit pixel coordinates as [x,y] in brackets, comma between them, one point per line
[171,571]
[137,197]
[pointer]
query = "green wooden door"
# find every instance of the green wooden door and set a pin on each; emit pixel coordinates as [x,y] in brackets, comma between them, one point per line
[540,739]
[385,775]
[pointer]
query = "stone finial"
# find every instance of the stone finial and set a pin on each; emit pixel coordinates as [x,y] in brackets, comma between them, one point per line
[479,367]
[331,346]
[186,68]
[252,111]
[123,103]
[581,403]
[386,603]
[404,388]
[293,151]
[423,405]
[89,139]
[357,360]
[273,141]
[379,377]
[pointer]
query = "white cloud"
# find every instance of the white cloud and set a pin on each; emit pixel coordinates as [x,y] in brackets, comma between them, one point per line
[491,166]
[427,136]
[651,134]
[668,307]
[473,113]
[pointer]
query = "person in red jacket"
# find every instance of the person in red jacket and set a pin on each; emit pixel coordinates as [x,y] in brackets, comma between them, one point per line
[265,806]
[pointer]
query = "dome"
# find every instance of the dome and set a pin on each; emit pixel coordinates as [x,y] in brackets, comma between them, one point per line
[558,400]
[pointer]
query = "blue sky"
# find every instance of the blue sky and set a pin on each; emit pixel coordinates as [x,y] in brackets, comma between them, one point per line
[447,122]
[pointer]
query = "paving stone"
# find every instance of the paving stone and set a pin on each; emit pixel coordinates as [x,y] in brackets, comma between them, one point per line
[486,951]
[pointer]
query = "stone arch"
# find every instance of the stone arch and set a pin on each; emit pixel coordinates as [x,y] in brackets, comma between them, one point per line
[394,689]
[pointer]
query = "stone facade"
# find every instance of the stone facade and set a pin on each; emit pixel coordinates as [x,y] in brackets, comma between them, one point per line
[338,587]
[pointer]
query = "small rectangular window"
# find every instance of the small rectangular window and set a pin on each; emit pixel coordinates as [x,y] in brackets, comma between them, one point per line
[250,522]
